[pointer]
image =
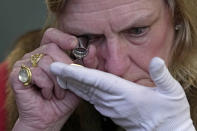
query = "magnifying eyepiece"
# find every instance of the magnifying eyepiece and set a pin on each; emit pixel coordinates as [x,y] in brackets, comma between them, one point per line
[81,51]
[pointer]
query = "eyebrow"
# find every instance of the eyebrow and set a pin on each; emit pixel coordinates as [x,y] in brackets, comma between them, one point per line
[80,32]
[138,20]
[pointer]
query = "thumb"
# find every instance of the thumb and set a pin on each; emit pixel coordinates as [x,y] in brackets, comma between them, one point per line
[161,76]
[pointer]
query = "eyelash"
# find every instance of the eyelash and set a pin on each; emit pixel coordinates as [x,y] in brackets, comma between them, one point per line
[134,32]
[131,32]
[92,39]
[86,40]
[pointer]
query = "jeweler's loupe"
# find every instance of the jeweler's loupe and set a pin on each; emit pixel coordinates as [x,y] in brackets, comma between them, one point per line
[81,50]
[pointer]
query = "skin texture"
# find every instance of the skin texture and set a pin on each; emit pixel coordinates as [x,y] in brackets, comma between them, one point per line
[43,105]
[114,47]
[116,50]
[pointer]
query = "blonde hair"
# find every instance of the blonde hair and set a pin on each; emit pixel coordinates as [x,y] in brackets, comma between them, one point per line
[185,45]
[183,64]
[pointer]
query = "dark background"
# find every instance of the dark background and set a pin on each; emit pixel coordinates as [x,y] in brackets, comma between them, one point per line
[18,17]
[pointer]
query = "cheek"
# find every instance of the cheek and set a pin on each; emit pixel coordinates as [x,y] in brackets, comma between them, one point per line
[157,45]
[160,43]
[101,54]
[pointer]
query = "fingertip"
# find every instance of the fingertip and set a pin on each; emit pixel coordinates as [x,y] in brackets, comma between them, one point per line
[156,63]
[59,93]
[162,77]
[57,67]
[73,42]
[156,67]
[62,84]
[47,94]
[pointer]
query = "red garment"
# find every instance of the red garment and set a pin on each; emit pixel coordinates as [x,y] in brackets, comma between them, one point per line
[3,80]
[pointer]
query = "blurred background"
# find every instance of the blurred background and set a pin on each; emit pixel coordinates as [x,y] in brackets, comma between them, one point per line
[16,18]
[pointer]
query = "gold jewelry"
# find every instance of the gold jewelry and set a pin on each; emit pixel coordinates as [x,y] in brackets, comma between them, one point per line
[76,65]
[35,59]
[25,75]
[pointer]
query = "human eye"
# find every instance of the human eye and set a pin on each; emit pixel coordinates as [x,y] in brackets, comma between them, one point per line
[83,41]
[88,39]
[94,38]
[137,31]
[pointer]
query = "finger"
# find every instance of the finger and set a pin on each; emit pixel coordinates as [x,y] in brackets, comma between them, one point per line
[77,88]
[57,55]
[63,40]
[44,65]
[80,89]
[91,59]
[39,78]
[21,62]
[161,76]
[91,78]
[14,80]
[53,51]
[91,84]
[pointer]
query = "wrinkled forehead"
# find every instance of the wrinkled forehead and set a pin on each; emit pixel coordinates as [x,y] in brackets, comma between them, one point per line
[85,13]
[99,5]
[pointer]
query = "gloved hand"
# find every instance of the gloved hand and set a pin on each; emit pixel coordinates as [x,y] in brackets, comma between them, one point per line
[131,106]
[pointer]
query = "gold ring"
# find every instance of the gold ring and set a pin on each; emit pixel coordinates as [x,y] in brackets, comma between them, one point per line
[35,59]
[76,65]
[25,75]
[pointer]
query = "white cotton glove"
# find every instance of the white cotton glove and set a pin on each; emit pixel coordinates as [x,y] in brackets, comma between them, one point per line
[131,106]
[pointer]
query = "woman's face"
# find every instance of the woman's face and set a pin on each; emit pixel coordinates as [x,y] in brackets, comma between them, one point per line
[127,34]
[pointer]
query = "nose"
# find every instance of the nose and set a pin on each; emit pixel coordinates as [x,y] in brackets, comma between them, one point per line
[116,57]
